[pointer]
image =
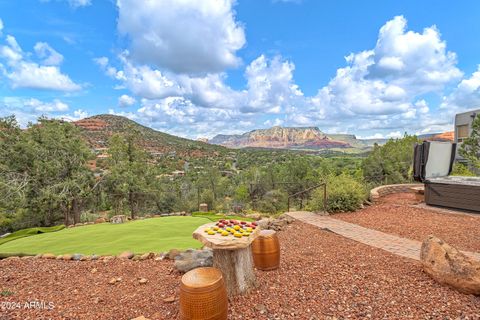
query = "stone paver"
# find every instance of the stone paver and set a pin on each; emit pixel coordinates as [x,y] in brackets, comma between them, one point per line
[397,245]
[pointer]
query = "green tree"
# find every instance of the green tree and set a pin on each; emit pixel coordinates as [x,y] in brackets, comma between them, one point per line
[46,165]
[130,176]
[470,148]
[390,163]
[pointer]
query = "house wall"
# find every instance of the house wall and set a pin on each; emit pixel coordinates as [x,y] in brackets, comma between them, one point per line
[465,118]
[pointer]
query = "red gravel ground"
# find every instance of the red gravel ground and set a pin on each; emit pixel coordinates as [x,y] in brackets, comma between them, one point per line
[395,215]
[322,276]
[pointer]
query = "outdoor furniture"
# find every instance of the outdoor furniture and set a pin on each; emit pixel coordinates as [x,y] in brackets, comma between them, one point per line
[266,250]
[203,295]
[233,256]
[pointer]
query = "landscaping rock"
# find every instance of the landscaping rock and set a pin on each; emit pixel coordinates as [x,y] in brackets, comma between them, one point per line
[160,256]
[169,299]
[255,216]
[93,257]
[136,257]
[126,255]
[173,253]
[192,259]
[264,223]
[449,266]
[77,257]
[5,235]
[148,255]
[100,220]
[67,257]
[78,224]
[48,256]
[38,256]
[108,258]
[118,219]
[275,224]
[60,257]
[142,281]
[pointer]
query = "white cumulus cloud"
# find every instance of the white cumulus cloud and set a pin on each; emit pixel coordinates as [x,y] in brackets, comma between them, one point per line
[24,73]
[186,36]
[49,55]
[126,101]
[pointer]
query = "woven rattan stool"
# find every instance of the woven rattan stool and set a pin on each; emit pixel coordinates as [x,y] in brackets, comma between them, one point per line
[203,295]
[266,250]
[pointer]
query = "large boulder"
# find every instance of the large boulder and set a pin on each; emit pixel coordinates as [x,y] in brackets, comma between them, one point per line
[121,218]
[100,220]
[192,259]
[449,266]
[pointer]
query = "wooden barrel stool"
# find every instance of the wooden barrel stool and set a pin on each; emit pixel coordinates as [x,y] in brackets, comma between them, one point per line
[266,250]
[203,295]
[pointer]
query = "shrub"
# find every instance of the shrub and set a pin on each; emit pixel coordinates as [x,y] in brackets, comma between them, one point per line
[273,201]
[344,193]
[460,169]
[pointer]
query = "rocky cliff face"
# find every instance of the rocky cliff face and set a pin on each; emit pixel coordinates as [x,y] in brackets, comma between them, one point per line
[281,137]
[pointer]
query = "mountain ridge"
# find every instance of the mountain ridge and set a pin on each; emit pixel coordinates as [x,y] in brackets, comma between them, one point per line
[98,129]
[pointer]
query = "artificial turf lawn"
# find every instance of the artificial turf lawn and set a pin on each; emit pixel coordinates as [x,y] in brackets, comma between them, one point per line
[139,236]
[29,232]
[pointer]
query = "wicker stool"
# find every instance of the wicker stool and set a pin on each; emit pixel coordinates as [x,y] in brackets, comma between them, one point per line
[203,295]
[266,250]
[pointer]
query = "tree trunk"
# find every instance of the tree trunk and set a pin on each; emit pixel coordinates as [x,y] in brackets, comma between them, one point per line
[237,269]
[75,211]
[66,221]
[131,202]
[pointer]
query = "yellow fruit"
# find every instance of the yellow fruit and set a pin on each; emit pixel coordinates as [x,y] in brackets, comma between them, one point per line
[246,234]
[236,227]
[249,229]
[215,228]
[211,232]
[206,230]
[225,233]
[238,235]
[241,230]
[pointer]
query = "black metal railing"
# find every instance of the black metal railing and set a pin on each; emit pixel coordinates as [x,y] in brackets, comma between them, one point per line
[323,184]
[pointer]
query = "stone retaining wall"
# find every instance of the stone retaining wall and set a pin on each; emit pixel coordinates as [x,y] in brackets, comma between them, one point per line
[378,192]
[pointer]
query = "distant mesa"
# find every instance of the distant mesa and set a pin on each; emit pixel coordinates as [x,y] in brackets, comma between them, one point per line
[301,138]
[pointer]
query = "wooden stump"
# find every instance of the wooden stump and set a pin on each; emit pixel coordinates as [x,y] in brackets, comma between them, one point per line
[237,269]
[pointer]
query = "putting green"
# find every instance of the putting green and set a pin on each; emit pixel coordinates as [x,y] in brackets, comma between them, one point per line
[149,235]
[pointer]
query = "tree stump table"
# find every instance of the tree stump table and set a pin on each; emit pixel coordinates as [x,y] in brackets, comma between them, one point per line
[233,256]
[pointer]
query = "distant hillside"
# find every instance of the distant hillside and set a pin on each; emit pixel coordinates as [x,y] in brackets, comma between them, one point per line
[295,138]
[445,136]
[98,130]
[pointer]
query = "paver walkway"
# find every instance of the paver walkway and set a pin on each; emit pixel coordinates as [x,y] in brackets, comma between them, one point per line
[397,245]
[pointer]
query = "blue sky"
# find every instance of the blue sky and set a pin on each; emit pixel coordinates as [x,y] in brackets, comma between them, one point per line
[199,68]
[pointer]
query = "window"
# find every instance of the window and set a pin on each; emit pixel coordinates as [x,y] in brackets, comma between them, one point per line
[462,131]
